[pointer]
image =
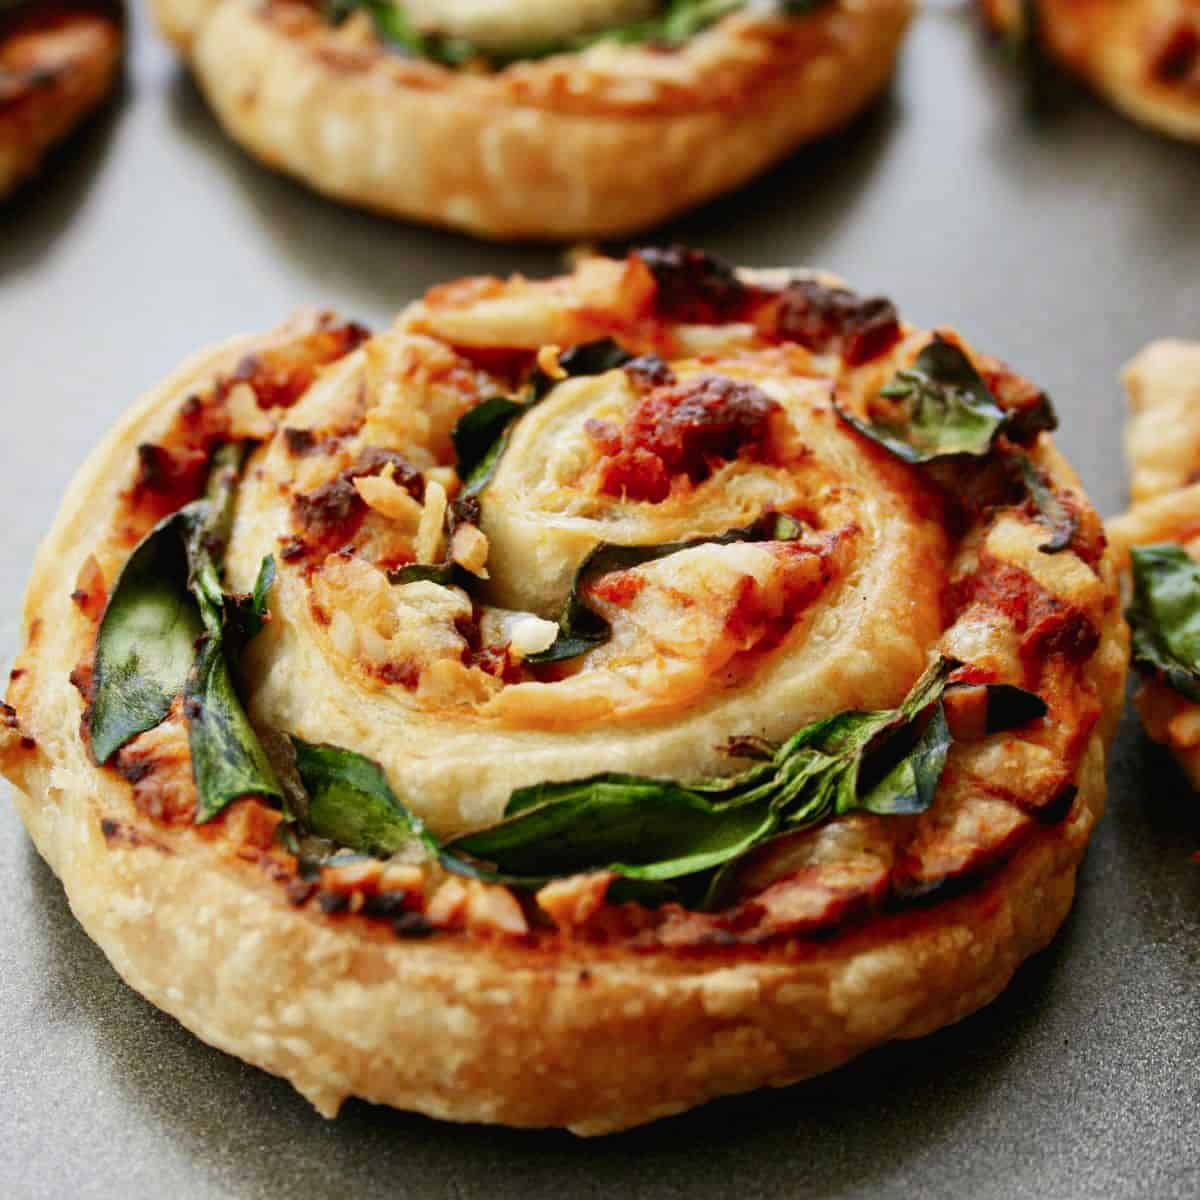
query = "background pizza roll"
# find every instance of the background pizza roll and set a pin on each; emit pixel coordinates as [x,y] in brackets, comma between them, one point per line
[583,699]
[58,61]
[1158,542]
[532,120]
[1141,55]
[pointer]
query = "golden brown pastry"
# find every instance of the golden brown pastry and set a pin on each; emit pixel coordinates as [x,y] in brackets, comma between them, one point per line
[581,700]
[533,120]
[58,61]
[1142,55]
[1158,543]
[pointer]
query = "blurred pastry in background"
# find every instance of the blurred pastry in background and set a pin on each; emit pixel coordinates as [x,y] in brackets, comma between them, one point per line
[533,120]
[1158,543]
[1141,55]
[58,61]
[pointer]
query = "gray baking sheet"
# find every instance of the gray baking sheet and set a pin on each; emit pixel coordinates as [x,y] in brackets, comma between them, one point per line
[1062,245]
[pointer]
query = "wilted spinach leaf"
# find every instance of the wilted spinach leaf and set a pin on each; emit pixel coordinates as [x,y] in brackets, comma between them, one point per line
[660,837]
[482,434]
[943,407]
[481,437]
[228,760]
[146,643]
[581,628]
[167,601]
[588,358]
[1165,616]
[888,762]
[351,803]
[1061,520]
[677,21]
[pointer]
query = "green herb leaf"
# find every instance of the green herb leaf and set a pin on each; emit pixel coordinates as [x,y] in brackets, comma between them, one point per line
[146,643]
[167,599]
[1008,707]
[445,574]
[678,21]
[1165,616]
[943,408]
[394,27]
[888,762]
[581,628]
[1061,520]
[480,438]
[1024,424]
[228,760]
[909,787]
[588,358]
[352,803]
[482,434]
[660,829]
[662,838]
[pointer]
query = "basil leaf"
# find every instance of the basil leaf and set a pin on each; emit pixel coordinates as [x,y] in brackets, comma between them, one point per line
[909,787]
[263,583]
[146,642]
[1008,707]
[393,26]
[480,438]
[661,830]
[639,828]
[581,628]
[350,802]
[665,839]
[167,599]
[228,760]
[944,408]
[588,358]
[1165,616]
[1061,520]
[678,21]
[1024,424]
[481,435]
[445,574]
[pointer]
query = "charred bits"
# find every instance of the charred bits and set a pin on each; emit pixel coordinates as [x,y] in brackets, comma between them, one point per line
[695,288]
[827,319]
[331,515]
[682,429]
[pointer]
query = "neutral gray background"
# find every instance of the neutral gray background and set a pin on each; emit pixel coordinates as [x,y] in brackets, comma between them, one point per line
[1062,246]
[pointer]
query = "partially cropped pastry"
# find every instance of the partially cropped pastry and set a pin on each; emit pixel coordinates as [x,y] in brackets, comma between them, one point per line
[1142,55]
[58,61]
[538,119]
[581,700]
[1158,542]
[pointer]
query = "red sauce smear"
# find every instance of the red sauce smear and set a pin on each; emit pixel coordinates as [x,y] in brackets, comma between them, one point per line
[682,429]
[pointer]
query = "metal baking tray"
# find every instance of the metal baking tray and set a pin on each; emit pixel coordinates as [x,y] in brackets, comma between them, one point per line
[1062,245]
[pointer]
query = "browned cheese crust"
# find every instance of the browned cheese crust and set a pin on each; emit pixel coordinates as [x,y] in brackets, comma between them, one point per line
[1162,443]
[392,981]
[1142,55]
[57,63]
[593,144]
